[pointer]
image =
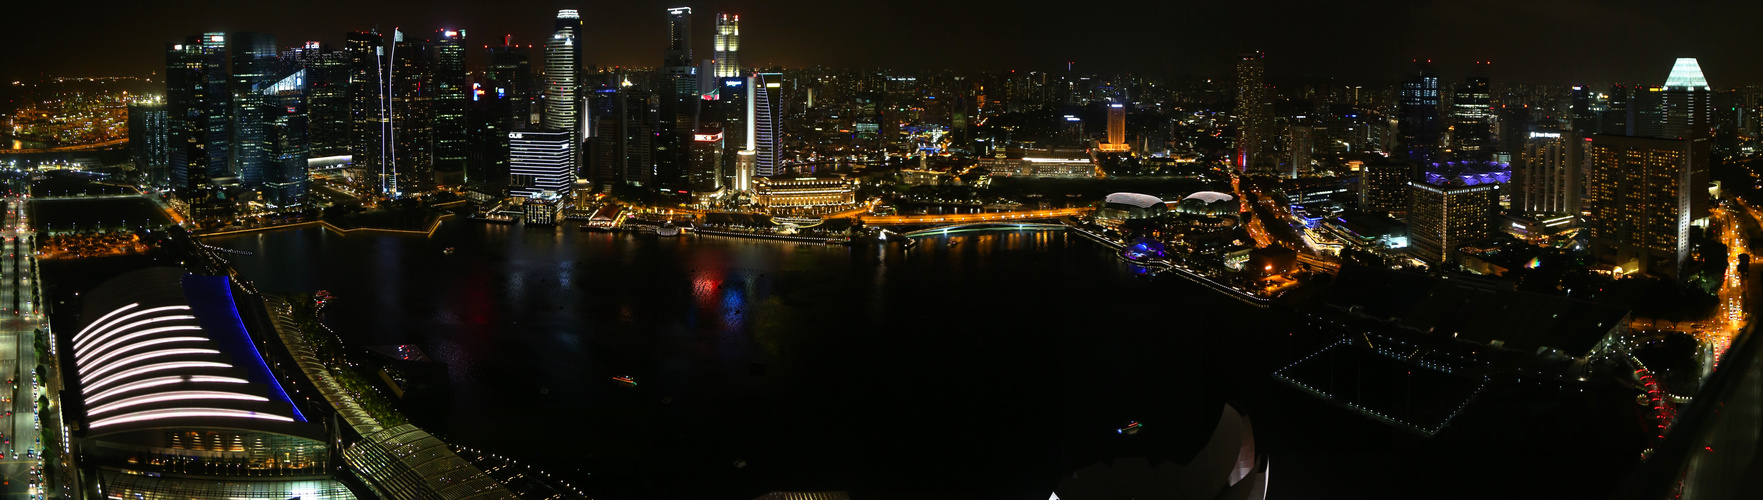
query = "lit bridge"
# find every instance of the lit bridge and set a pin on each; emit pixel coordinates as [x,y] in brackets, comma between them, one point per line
[1027,215]
[982,226]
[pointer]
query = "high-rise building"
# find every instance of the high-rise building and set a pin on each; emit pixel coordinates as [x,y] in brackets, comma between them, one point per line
[1646,111]
[1548,174]
[196,113]
[540,161]
[562,65]
[1254,118]
[500,103]
[1584,119]
[1300,142]
[327,97]
[1383,186]
[254,68]
[677,112]
[285,144]
[1444,216]
[1116,130]
[1420,127]
[150,139]
[1614,119]
[623,138]
[767,124]
[449,106]
[1688,101]
[746,163]
[727,46]
[705,175]
[1474,115]
[367,106]
[410,105]
[1644,194]
[734,106]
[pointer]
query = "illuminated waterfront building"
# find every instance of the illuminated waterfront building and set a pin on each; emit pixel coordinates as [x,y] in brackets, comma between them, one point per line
[727,46]
[1253,113]
[540,161]
[1549,173]
[449,106]
[1644,194]
[1444,215]
[745,164]
[805,195]
[186,403]
[327,97]
[501,102]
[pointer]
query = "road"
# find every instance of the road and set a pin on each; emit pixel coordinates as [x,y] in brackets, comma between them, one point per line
[18,358]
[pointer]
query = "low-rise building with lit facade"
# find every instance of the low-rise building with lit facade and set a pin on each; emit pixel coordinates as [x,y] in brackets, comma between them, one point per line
[805,195]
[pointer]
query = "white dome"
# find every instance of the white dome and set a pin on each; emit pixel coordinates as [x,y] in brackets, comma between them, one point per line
[1134,199]
[1209,197]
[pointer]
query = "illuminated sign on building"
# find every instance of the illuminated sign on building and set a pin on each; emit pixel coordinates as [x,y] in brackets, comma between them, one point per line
[1551,135]
[707,137]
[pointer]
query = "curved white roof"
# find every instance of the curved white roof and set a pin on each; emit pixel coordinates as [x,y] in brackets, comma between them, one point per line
[1134,199]
[1209,197]
[153,359]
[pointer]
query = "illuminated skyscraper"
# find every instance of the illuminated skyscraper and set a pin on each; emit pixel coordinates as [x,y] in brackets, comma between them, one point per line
[367,113]
[1548,173]
[1689,106]
[150,139]
[1644,193]
[677,113]
[1473,131]
[1420,127]
[410,104]
[327,97]
[705,175]
[767,113]
[1444,216]
[285,145]
[501,102]
[196,112]
[562,108]
[540,161]
[254,68]
[1253,116]
[727,45]
[449,106]
[1116,130]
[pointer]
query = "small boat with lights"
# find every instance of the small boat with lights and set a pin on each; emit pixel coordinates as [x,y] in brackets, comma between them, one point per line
[1131,428]
[625,380]
[447,251]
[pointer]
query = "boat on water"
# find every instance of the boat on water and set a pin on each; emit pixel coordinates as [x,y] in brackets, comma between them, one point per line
[625,380]
[447,251]
[667,230]
[1131,428]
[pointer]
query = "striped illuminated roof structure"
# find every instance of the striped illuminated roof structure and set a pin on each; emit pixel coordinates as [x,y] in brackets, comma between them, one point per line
[168,350]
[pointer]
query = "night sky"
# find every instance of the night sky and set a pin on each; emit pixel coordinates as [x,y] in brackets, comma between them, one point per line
[1553,41]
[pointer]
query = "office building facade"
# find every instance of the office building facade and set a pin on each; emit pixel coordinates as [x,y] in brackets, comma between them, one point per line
[540,161]
[1644,194]
[1444,216]
[1549,172]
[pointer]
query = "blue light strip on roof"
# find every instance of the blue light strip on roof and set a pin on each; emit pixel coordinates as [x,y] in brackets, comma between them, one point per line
[211,298]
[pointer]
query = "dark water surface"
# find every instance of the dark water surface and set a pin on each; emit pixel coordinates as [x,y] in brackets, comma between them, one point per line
[978,365]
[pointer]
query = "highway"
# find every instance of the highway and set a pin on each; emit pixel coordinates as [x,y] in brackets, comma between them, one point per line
[887,220]
[18,358]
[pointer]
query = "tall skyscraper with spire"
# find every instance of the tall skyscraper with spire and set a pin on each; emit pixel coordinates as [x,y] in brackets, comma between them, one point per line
[727,44]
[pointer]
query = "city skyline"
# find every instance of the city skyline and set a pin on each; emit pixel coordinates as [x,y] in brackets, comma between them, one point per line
[1524,41]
